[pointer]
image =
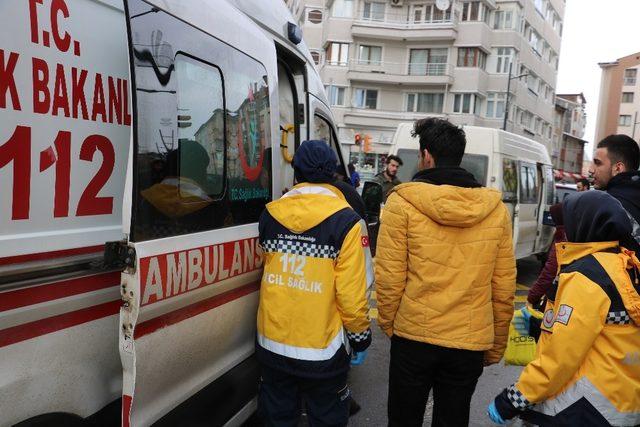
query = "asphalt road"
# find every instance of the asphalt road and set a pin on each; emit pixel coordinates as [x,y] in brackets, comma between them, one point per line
[369,382]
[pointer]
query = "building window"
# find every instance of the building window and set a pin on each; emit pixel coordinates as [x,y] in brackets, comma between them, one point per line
[525,119]
[630,76]
[540,6]
[624,120]
[428,62]
[316,56]
[373,11]
[427,13]
[369,55]
[337,53]
[474,11]
[627,97]
[504,56]
[533,83]
[466,103]
[314,16]
[425,102]
[471,57]
[366,98]
[504,20]
[495,105]
[535,41]
[336,95]
[342,8]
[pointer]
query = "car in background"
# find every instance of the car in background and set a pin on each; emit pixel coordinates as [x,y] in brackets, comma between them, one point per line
[564,190]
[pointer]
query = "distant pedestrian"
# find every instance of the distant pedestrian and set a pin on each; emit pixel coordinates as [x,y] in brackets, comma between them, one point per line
[615,170]
[354,175]
[550,269]
[388,178]
[587,369]
[445,281]
[583,185]
[312,296]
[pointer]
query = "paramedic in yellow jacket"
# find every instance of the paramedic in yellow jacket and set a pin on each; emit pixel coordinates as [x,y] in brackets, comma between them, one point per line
[313,308]
[445,280]
[587,370]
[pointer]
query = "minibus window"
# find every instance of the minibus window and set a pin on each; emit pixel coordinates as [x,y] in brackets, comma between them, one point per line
[528,184]
[509,180]
[550,187]
[476,164]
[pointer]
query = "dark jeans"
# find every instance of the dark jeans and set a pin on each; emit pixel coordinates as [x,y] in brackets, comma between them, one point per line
[416,368]
[326,400]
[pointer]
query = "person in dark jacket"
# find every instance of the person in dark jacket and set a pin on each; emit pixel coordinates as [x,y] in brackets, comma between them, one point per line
[550,270]
[615,170]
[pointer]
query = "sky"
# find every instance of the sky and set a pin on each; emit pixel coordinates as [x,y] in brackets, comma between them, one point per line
[595,31]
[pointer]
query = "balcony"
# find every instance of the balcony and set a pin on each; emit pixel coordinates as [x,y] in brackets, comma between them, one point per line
[400,73]
[387,27]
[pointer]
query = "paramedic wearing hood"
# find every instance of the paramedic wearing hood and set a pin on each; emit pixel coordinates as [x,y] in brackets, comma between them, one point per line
[587,371]
[445,280]
[312,296]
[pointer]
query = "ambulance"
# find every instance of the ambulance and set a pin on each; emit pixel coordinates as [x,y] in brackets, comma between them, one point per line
[139,142]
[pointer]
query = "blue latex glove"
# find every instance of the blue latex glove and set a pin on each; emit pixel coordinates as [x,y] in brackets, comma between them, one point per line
[358,358]
[522,323]
[492,411]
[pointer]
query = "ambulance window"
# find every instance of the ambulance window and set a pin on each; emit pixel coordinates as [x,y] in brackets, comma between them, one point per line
[181,153]
[324,131]
[200,120]
[248,140]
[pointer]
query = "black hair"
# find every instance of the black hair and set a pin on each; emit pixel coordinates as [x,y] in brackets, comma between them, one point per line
[621,148]
[391,158]
[585,183]
[351,168]
[444,141]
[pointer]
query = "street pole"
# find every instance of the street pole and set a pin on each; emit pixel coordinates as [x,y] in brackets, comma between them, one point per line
[635,122]
[506,104]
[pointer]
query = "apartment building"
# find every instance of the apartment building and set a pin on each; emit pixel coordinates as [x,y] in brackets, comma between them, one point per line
[619,98]
[567,143]
[386,62]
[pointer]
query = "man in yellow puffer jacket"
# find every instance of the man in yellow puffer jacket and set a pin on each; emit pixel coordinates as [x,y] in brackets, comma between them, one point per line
[445,279]
[312,297]
[587,370]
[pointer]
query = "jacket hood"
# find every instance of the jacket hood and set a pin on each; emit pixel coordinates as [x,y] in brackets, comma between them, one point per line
[450,205]
[306,206]
[595,216]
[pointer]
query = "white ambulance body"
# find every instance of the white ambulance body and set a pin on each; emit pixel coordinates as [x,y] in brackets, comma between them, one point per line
[154,126]
[517,166]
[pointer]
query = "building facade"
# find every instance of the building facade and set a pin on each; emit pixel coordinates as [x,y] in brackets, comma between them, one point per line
[567,143]
[386,62]
[619,98]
